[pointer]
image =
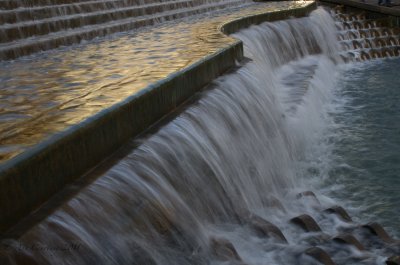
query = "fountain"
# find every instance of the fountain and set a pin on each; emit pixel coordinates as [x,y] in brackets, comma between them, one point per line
[223,182]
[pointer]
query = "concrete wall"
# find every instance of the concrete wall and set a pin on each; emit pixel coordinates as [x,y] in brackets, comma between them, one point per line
[31,178]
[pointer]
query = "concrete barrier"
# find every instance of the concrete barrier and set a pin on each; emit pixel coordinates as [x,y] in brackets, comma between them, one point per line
[31,178]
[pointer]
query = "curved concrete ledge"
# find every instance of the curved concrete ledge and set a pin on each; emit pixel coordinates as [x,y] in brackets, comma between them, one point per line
[244,22]
[31,178]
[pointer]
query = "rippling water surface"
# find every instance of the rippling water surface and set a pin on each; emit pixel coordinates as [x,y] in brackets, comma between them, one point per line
[361,163]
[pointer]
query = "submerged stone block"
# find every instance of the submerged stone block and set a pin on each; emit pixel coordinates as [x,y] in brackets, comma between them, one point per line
[349,239]
[265,228]
[320,255]
[308,194]
[223,249]
[340,212]
[380,232]
[273,202]
[306,222]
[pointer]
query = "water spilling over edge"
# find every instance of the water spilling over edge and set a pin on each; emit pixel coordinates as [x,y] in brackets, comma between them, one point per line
[233,154]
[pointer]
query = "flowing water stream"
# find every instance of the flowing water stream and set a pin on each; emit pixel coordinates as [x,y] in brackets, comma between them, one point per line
[291,119]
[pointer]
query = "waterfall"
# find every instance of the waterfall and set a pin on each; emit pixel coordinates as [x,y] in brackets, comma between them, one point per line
[199,191]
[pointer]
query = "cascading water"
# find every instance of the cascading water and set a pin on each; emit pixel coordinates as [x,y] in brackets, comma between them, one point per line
[217,172]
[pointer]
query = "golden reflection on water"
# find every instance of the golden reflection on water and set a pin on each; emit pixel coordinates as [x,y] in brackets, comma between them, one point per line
[46,93]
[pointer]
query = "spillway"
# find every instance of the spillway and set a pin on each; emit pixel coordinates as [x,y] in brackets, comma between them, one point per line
[225,182]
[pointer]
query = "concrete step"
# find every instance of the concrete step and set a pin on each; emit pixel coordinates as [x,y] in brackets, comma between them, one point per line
[11,4]
[11,32]
[22,47]
[42,12]
[17,4]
